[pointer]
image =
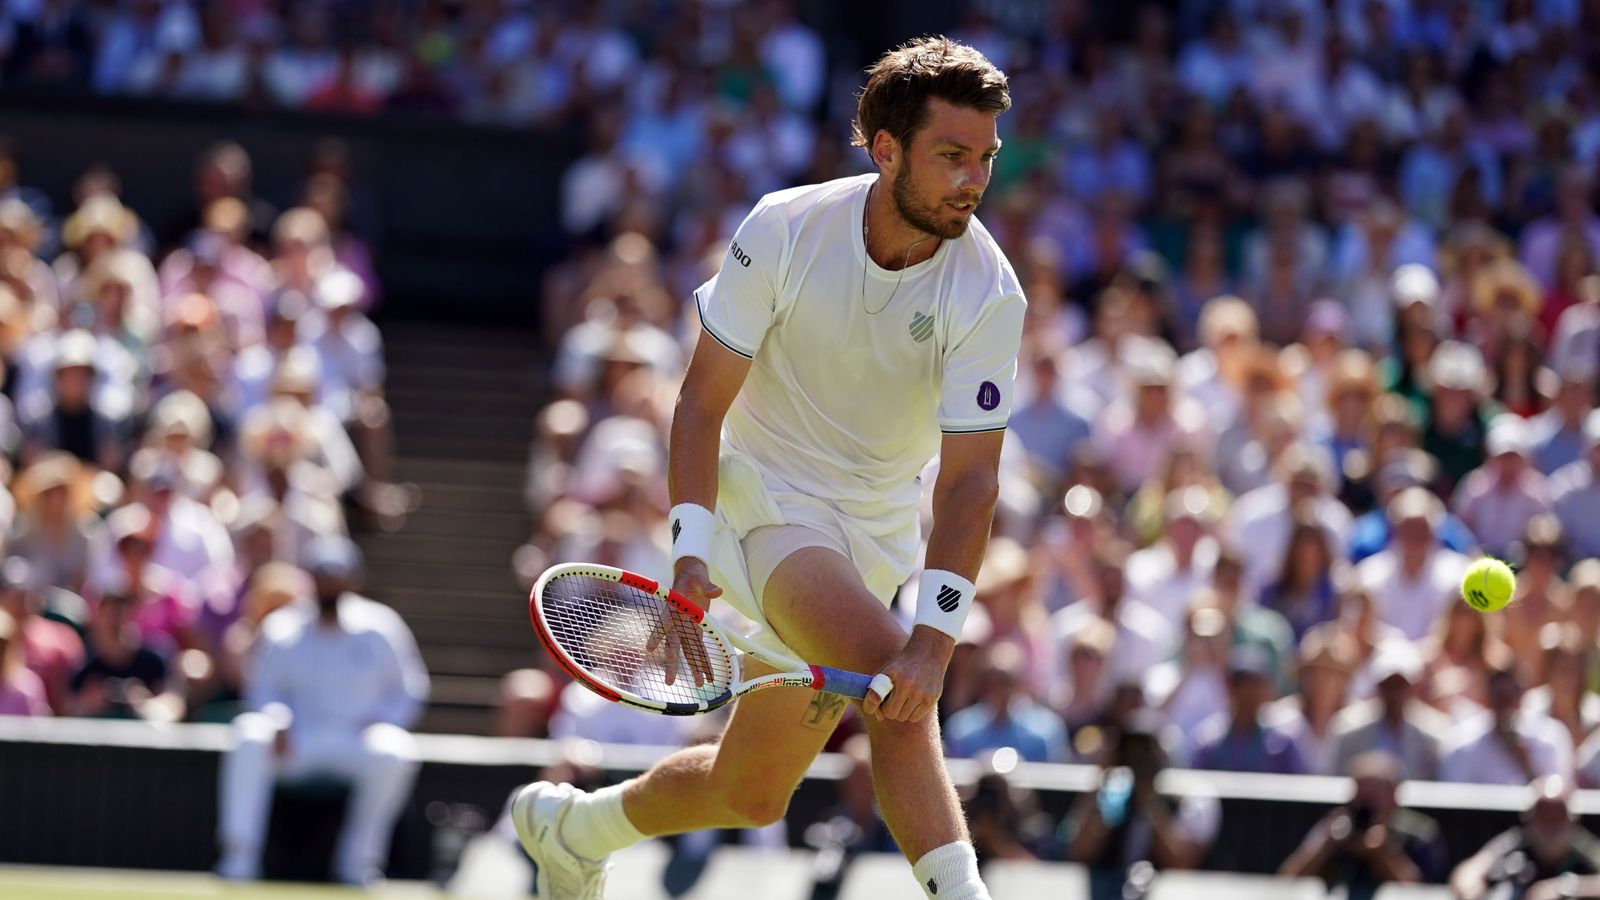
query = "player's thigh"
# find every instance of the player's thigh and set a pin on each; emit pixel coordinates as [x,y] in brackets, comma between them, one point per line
[817,604]
[773,737]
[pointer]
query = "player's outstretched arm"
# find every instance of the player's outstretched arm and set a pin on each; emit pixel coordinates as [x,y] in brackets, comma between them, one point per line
[713,380]
[963,507]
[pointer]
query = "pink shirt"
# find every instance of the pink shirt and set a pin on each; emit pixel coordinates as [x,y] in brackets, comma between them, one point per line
[22,694]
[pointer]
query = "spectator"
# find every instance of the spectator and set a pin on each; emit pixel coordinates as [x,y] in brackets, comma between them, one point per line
[1544,852]
[1185,467]
[21,691]
[1310,714]
[1558,434]
[1395,721]
[1506,744]
[1262,519]
[55,530]
[1403,467]
[1236,739]
[333,689]
[74,416]
[1372,840]
[1412,581]
[1127,821]
[124,677]
[1461,650]
[1005,716]
[1138,431]
[52,650]
[1303,593]
[1456,428]
[1166,575]
[1498,500]
[1143,637]
[1560,692]
[1575,493]
[1542,598]
[1048,425]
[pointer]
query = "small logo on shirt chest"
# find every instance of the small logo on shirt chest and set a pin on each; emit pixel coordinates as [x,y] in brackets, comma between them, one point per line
[921,327]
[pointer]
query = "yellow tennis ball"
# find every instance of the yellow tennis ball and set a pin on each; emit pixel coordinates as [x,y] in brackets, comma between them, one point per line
[1488,585]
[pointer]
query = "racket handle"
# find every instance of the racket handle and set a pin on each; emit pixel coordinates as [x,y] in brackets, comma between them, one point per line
[852,684]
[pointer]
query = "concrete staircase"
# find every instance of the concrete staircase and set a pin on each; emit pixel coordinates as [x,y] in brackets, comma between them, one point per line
[464,401]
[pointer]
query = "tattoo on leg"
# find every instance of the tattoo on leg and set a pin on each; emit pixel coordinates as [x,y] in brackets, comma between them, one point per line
[823,712]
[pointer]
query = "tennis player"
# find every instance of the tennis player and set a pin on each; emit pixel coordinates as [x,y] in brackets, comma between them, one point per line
[856,328]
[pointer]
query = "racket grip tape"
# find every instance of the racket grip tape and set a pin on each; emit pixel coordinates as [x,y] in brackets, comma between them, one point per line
[850,684]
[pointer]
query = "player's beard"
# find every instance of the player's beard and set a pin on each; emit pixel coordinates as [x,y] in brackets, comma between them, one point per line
[924,217]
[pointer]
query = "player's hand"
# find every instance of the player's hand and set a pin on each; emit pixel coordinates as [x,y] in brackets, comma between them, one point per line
[918,675]
[678,632]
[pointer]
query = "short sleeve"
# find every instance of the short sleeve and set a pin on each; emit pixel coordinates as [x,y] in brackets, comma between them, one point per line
[737,304]
[980,368]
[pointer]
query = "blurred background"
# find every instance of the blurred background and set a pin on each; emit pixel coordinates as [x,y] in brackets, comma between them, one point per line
[308,302]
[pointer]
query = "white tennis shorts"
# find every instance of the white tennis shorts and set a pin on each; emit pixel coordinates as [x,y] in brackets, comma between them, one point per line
[761,522]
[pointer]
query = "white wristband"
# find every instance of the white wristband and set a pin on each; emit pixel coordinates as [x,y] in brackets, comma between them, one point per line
[692,527]
[943,599]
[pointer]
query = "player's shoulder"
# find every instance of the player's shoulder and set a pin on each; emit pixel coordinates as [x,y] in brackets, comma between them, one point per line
[796,205]
[981,264]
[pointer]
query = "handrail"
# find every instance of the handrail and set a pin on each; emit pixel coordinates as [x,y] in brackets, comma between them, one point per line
[475,750]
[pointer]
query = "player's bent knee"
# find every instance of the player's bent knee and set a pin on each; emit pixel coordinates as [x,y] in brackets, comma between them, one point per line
[755,809]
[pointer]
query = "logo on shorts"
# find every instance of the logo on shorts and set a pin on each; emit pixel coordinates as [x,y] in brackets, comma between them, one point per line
[988,395]
[921,327]
[677,529]
[933,886]
[949,598]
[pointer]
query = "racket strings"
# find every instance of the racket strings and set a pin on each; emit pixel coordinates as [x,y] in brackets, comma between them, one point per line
[605,628]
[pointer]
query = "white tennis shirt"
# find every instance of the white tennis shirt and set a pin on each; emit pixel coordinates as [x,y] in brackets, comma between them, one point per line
[849,394]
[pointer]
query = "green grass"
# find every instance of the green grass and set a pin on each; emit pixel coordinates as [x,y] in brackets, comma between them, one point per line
[31,883]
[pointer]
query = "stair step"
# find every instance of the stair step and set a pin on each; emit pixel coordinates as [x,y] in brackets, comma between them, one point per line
[461,472]
[454,446]
[503,497]
[479,661]
[467,581]
[473,523]
[511,632]
[465,690]
[438,719]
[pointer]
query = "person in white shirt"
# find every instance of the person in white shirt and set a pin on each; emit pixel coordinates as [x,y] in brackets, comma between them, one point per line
[856,328]
[332,689]
[1144,637]
[188,538]
[1498,499]
[1412,579]
[1166,575]
[1263,519]
[1506,744]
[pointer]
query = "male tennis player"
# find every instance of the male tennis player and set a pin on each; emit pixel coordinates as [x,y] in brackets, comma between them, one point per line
[856,328]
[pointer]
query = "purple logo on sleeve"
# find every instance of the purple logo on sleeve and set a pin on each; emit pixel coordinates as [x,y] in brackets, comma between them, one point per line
[988,395]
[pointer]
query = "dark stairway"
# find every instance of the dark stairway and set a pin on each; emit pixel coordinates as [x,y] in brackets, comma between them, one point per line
[463,401]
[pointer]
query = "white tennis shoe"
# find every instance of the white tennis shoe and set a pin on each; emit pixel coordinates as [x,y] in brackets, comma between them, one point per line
[538,812]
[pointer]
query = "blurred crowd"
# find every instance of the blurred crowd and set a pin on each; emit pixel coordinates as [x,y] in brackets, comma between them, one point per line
[1314,319]
[188,407]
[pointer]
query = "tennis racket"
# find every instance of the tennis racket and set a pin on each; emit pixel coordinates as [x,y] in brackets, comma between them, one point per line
[608,629]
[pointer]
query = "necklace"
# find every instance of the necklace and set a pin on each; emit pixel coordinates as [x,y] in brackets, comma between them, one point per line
[866,231]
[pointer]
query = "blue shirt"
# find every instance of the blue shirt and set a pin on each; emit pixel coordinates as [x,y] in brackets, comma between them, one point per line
[1260,749]
[1554,444]
[1036,733]
[1371,534]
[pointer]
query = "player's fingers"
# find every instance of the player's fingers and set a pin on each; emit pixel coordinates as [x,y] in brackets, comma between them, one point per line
[870,704]
[670,664]
[894,708]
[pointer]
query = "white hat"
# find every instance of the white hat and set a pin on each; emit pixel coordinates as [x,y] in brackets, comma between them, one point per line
[1396,656]
[1414,283]
[1509,433]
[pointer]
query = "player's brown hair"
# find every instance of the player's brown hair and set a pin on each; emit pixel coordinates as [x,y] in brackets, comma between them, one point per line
[899,84]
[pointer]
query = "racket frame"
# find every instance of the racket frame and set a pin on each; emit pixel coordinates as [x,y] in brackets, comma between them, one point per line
[792,672]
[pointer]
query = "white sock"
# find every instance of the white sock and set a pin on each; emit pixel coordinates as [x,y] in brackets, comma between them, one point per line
[950,873]
[597,826]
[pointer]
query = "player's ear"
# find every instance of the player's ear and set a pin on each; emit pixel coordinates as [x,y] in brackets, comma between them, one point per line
[885,149]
